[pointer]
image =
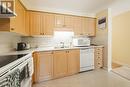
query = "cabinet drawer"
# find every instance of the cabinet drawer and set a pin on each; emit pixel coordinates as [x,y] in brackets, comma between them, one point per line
[99,65]
[98,53]
[99,60]
[100,50]
[98,57]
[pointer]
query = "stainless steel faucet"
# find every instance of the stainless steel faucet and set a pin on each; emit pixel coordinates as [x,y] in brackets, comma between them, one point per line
[62,44]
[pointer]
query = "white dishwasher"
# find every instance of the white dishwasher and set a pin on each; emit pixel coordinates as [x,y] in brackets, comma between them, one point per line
[86,59]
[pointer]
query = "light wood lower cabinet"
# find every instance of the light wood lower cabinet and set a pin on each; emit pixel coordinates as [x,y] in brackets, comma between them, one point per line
[56,64]
[59,21]
[43,66]
[73,61]
[60,64]
[98,57]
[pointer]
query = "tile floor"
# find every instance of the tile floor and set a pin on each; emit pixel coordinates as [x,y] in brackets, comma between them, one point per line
[123,71]
[96,78]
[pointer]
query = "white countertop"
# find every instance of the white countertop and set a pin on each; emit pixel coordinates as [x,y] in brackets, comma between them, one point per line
[45,49]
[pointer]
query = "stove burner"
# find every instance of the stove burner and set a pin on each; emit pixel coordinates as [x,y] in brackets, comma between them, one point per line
[4,60]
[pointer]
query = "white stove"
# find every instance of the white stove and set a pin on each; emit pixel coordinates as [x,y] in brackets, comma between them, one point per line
[23,64]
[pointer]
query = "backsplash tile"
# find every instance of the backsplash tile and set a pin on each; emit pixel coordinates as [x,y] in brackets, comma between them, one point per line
[8,41]
[53,41]
[45,41]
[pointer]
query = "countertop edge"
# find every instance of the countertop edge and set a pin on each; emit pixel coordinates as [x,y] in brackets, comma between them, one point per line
[44,50]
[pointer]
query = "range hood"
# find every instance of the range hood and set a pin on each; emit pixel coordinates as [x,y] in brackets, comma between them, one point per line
[6,12]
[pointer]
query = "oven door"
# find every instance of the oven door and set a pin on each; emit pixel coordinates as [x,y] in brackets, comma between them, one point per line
[25,78]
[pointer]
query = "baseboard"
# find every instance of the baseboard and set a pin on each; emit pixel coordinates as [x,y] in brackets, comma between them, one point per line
[107,69]
[123,64]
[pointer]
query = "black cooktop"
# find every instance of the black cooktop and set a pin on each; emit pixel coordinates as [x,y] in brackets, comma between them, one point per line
[4,60]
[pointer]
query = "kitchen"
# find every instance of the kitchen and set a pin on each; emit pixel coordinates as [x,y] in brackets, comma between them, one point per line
[42,46]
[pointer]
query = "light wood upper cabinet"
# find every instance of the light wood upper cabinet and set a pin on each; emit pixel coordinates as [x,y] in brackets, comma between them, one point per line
[49,23]
[63,23]
[89,26]
[59,21]
[78,25]
[73,61]
[16,24]
[36,23]
[41,23]
[69,23]
[27,27]
[84,26]
[60,64]
[44,66]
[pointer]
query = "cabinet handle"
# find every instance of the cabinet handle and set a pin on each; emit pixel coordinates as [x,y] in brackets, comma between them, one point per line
[99,63]
[12,29]
[88,34]
[67,51]
[81,34]
[64,25]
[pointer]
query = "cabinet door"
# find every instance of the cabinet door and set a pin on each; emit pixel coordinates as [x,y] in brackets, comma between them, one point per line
[27,23]
[69,23]
[78,25]
[89,26]
[73,61]
[35,59]
[49,24]
[85,26]
[45,66]
[60,64]
[36,23]
[59,21]
[17,24]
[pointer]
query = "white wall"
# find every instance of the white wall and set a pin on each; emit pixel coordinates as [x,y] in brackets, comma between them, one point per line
[120,6]
[103,37]
[121,39]
[8,41]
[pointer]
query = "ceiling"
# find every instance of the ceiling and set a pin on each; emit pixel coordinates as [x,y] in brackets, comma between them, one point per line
[79,7]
